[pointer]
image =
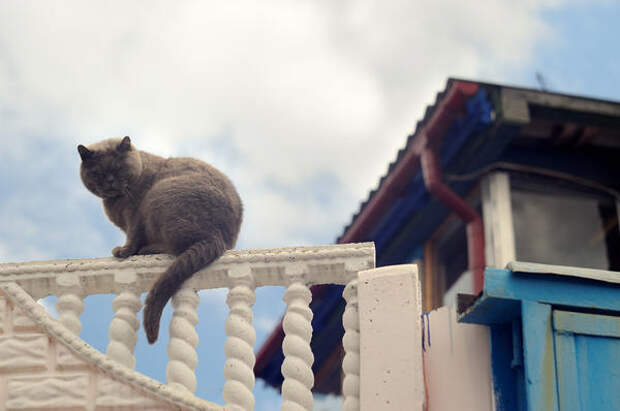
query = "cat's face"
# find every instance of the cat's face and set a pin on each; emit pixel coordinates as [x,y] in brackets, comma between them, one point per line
[109,167]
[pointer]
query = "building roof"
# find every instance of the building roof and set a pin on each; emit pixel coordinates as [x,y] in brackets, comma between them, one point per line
[480,127]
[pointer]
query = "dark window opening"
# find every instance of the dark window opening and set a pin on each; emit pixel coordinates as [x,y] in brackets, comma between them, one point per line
[555,224]
[452,255]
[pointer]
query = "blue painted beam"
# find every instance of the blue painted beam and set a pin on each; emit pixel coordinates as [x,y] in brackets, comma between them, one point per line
[551,289]
[590,324]
[539,357]
[504,289]
[568,382]
[490,311]
[507,378]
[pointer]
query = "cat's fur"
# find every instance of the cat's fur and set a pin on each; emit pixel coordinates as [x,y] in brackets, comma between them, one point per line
[179,206]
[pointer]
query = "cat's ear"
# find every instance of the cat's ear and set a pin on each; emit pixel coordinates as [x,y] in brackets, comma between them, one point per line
[125,144]
[85,153]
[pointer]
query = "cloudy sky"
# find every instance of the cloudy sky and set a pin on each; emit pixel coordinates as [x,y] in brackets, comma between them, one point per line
[303,104]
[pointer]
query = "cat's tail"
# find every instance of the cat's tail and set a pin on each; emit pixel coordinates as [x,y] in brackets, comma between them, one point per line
[196,257]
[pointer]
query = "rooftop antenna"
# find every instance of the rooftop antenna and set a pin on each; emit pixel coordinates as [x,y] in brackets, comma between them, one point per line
[542,82]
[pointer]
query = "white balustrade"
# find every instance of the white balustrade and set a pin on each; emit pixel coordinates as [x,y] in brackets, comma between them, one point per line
[69,304]
[240,339]
[183,341]
[298,357]
[241,271]
[351,344]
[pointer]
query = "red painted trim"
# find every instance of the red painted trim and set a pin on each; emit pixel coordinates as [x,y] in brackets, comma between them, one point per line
[431,171]
[448,109]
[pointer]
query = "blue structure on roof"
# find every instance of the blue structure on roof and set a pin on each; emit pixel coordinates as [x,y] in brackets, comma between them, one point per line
[555,340]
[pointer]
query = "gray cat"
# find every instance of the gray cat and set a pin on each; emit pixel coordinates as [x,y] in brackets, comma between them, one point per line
[179,206]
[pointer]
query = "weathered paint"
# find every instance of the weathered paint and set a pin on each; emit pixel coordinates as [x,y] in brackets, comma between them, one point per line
[578,272]
[591,324]
[539,357]
[567,372]
[507,379]
[588,361]
[549,289]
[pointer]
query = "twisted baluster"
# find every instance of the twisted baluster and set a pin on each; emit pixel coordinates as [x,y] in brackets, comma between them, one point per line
[298,357]
[70,305]
[124,327]
[351,344]
[183,341]
[240,339]
[125,324]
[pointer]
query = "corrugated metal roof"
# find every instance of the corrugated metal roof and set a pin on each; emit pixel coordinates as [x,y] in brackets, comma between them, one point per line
[399,155]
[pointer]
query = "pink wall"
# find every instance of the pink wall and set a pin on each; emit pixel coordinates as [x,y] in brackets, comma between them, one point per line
[457,363]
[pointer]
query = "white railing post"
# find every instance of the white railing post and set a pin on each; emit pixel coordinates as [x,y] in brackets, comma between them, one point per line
[298,357]
[351,344]
[70,304]
[125,324]
[183,341]
[240,339]
[391,373]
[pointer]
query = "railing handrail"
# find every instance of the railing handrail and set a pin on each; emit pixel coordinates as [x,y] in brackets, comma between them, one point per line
[241,271]
[331,264]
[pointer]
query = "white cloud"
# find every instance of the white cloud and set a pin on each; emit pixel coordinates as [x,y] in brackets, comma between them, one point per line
[215,299]
[297,90]
[265,324]
[44,213]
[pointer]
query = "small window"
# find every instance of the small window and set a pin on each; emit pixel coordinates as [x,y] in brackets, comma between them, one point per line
[562,226]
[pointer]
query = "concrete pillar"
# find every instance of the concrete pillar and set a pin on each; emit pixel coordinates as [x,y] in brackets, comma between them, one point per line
[391,372]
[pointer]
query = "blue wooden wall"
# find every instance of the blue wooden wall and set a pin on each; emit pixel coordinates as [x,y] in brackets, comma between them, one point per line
[555,341]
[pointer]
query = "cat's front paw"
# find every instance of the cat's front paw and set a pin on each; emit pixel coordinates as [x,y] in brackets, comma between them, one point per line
[122,252]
